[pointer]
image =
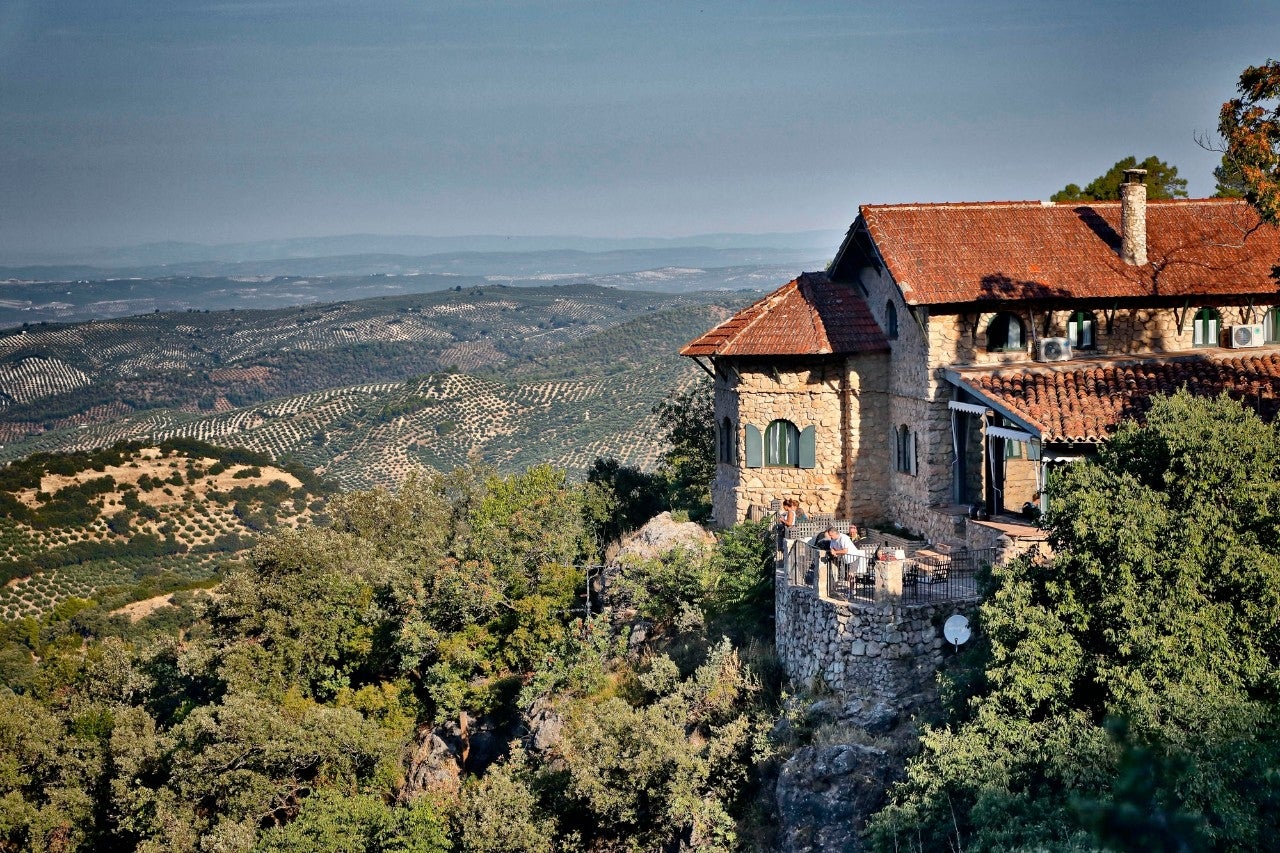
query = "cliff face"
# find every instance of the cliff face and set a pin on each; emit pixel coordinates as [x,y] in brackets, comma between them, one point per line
[872,668]
[825,794]
[827,789]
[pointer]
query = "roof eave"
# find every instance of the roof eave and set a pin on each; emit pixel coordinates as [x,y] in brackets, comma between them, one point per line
[959,381]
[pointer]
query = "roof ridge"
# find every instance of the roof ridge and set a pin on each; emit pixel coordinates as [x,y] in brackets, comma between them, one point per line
[803,284]
[1039,203]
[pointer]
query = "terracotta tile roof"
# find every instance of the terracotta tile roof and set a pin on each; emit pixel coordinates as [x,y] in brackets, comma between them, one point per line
[953,253]
[810,315]
[1074,402]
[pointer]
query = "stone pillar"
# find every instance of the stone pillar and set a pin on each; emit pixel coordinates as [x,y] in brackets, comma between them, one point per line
[888,575]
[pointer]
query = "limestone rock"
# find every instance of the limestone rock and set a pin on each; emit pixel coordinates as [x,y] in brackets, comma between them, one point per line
[825,794]
[545,725]
[434,766]
[660,535]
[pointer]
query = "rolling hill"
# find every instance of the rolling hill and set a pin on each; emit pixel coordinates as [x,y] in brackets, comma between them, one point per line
[365,391]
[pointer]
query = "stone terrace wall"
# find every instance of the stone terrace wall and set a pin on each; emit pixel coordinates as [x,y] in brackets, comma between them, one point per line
[863,651]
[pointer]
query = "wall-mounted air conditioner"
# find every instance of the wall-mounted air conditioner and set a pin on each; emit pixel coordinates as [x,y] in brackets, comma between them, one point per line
[1053,349]
[1250,335]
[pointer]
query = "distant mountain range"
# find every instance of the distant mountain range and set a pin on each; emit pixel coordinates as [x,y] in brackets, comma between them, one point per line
[28,302]
[362,254]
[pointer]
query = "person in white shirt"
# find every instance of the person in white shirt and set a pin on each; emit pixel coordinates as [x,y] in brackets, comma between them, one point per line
[853,560]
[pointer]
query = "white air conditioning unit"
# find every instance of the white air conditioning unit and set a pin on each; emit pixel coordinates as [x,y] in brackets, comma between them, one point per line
[1246,336]
[1053,349]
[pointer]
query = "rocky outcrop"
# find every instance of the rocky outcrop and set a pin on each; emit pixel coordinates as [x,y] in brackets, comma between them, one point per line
[443,755]
[544,725]
[824,795]
[435,765]
[826,791]
[660,535]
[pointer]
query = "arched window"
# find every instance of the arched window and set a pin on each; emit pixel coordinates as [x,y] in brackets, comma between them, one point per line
[1204,330]
[904,450]
[726,441]
[891,320]
[1272,333]
[1080,330]
[1005,333]
[782,444]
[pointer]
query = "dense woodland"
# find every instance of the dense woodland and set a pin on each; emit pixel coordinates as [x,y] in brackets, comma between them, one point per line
[284,713]
[300,708]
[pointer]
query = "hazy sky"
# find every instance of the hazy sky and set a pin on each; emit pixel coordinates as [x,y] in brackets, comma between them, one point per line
[126,121]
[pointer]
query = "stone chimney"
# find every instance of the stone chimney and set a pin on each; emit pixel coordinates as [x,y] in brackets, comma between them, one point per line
[1133,217]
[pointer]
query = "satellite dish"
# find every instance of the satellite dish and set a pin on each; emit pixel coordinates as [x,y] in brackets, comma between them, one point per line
[956,630]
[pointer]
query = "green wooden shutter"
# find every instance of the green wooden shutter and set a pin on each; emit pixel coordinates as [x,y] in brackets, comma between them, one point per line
[754,446]
[808,447]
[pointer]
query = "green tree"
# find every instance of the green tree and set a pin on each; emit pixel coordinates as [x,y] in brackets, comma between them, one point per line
[638,497]
[690,460]
[1162,182]
[665,773]
[48,776]
[1228,180]
[1159,616]
[358,823]
[1250,126]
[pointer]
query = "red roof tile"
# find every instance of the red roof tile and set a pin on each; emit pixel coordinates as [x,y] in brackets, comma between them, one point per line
[953,253]
[1073,402]
[808,316]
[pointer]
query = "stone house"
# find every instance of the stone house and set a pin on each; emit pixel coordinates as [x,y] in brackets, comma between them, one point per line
[953,353]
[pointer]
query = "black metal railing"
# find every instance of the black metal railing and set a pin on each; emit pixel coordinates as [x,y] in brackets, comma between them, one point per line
[944,577]
[926,575]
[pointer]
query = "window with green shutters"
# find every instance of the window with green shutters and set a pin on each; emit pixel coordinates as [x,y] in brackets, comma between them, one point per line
[1204,330]
[1272,333]
[754,446]
[1080,330]
[726,441]
[904,450]
[782,445]
[1004,333]
[809,447]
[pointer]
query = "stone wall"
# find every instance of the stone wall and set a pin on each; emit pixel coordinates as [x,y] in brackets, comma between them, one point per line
[961,338]
[842,397]
[858,650]
[912,394]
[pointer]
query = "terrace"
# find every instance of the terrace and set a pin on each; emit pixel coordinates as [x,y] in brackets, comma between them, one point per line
[872,629]
[907,571]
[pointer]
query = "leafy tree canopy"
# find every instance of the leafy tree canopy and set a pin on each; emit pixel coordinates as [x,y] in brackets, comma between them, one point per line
[1250,126]
[1228,181]
[1162,182]
[1125,693]
[690,462]
[289,712]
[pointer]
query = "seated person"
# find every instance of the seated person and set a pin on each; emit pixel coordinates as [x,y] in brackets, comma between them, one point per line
[853,560]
